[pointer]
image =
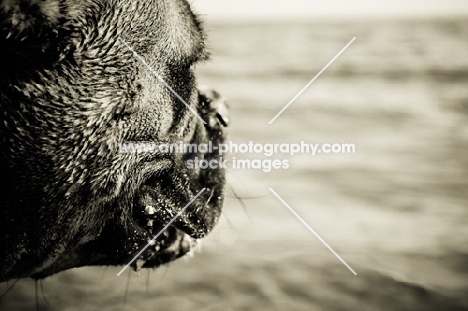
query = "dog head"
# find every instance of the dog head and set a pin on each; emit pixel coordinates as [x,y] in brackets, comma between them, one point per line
[78,80]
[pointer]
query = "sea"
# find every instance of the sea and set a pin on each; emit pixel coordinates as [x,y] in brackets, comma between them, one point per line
[383,228]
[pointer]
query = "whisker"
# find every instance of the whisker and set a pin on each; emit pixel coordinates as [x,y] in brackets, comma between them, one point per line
[240,200]
[147,280]
[231,226]
[36,294]
[235,193]
[42,292]
[9,288]
[127,286]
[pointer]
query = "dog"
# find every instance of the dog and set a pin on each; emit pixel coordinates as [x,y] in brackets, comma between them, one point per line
[78,80]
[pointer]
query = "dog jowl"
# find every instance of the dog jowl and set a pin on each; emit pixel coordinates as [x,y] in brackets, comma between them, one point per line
[71,92]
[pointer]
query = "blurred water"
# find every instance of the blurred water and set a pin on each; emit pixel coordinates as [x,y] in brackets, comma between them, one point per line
[396,210]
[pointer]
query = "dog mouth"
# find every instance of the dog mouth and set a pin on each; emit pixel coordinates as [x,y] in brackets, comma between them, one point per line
[173,210]
[168,244]
[171,230]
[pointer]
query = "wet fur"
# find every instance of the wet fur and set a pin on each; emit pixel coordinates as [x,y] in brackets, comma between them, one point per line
[70,93]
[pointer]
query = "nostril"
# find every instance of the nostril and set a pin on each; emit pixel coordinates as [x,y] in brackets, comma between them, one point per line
[223,113]
[214,107]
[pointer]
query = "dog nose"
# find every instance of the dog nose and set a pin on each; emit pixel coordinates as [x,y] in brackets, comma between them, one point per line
[222,112]
[214,108]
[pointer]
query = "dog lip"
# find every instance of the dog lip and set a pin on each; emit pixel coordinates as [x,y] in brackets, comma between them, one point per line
[156,199]
[166,246]
[154,213]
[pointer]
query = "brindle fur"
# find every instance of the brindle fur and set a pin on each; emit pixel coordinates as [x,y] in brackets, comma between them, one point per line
[70,93]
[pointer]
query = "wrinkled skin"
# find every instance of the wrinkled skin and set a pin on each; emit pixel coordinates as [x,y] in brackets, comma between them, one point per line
[70,93]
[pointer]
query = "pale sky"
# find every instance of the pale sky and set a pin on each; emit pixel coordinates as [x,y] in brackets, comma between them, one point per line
[291,8]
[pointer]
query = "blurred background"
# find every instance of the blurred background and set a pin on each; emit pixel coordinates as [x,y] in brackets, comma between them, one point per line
[396,210]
